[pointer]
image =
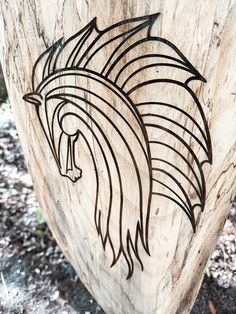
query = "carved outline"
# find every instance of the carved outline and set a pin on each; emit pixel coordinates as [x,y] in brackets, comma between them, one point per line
[50,72]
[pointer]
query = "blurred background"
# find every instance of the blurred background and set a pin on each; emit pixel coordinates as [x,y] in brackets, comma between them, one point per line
[35,276]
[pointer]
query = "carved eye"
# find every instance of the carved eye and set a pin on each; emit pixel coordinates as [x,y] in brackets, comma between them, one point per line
[69,123]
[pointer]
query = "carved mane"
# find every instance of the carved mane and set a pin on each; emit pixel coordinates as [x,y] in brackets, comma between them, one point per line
[165,138]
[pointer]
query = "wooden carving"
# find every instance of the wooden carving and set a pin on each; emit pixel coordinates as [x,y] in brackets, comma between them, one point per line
[107,109]
[127,123]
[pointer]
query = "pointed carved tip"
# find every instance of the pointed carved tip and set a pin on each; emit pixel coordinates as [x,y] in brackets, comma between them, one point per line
[152,19]
[33,98]
[154,16]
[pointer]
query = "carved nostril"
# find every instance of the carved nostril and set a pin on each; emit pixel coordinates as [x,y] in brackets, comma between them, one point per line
[33,98]
[74,174]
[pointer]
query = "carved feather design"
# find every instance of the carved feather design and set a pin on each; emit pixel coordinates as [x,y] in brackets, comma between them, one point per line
[122,98]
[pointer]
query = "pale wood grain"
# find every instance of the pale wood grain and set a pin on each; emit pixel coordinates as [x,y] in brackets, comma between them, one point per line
[204,31]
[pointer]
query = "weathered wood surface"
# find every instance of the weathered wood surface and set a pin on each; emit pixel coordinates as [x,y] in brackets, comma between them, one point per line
[77,212]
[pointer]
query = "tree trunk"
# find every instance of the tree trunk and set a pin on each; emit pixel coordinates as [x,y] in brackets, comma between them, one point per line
[126,114]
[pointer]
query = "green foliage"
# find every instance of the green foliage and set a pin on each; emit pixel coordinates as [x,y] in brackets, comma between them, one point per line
[3,94]
[39,216]
[40,233]
[4,105]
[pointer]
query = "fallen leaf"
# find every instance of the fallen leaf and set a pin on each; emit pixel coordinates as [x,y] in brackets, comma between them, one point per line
[212,307]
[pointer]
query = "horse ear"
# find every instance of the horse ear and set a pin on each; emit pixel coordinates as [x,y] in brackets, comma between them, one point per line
[33,98]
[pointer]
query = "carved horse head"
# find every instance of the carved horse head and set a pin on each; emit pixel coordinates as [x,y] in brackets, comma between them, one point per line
[106,103]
